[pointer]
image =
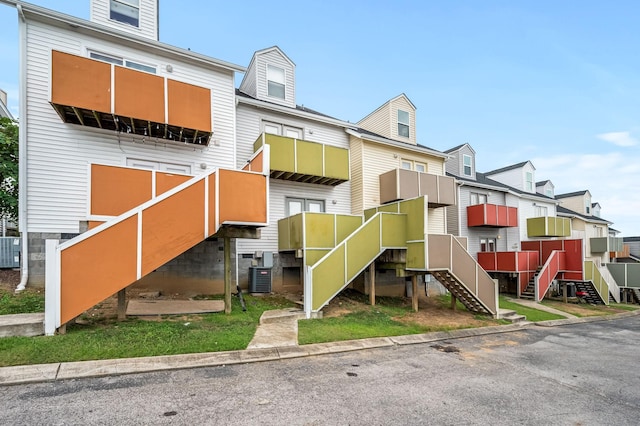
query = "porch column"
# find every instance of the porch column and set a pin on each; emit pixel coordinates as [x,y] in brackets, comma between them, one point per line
[122,304]
[227,275]
[414,292]
[372,283]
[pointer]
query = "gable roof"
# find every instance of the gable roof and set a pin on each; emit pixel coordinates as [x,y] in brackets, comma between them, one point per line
[276,48]
[543,182]
[374,137]
[563,211]
[459,147]
[511,167]
[572,194]
[83,26]
[482,180]
[401,95]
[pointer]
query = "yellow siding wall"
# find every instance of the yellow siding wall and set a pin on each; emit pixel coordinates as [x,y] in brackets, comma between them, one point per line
[355,154]
[403,104]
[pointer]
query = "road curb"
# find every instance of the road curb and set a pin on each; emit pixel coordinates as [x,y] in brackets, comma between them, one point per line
[40,373]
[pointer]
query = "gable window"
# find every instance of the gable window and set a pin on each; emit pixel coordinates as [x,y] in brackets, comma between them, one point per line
[528,184]
[587,206]
[487,244]
[403,123]
[126,11]
[548,192]
[477,198]
[111,59]
[466,165]
[299,205]
[275,82]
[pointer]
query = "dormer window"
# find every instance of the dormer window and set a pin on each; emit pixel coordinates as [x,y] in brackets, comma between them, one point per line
[275,82]
[466,165]
[403,123]
[126,11]
[528,184]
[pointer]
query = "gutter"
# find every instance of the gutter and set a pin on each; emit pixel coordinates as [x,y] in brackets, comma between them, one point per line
[22,152]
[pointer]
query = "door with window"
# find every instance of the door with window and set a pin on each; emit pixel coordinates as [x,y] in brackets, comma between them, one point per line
[487,244]
[183,169]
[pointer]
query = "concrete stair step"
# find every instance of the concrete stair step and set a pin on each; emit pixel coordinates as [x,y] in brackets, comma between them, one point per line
[511,316]
[281,315]
[22,325]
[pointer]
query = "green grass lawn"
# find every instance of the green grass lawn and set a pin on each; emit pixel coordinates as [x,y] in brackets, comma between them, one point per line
[533,315]
[106,338]
[26,302]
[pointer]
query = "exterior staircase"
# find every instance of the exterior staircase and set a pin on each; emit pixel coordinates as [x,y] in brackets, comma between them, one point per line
[460,291]
[592,296]
[85,270]
[636,295]
[530,291]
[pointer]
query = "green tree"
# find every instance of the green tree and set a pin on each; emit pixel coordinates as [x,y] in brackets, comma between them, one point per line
[8,168]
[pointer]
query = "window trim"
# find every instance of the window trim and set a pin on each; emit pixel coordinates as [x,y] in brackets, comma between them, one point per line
[464,166]
[528,181]
[541,211]
[305,204]
[274,82]
[402,123]
[488,242]
[121,61]
[478,196]
[126,3]
[282,129]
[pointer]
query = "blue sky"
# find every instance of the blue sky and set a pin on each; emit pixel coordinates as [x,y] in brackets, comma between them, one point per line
[554,82]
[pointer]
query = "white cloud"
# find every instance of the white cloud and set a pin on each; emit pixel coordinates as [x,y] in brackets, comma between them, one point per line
[618,138]
[613,179]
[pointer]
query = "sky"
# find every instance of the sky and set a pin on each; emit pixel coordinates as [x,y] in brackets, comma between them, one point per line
[554,82]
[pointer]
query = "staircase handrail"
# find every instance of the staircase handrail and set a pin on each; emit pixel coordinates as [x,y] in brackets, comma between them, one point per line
[614,289]
[551,267]
[598,281]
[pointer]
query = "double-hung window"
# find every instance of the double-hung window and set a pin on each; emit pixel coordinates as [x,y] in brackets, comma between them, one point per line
[541,211]
[299,205]
[126,11]
[122,62]
[403,123]
[487,244]
[477,198]
[275,82]
[466,165]
[282,129]
[528,181]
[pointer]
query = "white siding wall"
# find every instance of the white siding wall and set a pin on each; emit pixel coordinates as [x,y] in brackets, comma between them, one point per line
[455,165]
[274,57]
[59,153]
[249,127]
[248,84]
[526,210]
[516,177]
[356,159]
[100,11]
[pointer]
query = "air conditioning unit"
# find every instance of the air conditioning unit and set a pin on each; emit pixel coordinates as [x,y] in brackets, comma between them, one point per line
[10,252]
[259,279]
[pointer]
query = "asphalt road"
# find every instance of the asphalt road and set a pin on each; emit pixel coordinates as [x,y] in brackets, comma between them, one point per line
[582,374]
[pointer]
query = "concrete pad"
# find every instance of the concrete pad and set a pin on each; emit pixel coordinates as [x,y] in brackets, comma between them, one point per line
[28,374]
[539,306]
[281,315]
[22,325]
[276,334]
[173,307]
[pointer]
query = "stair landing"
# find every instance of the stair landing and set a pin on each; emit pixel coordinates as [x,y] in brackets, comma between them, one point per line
[22,325]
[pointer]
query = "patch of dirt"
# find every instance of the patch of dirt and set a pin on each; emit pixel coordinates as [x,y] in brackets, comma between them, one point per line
[585,310]
[431,312]
[9,279]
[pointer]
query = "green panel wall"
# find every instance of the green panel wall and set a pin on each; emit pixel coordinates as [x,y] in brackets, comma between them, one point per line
[345,225]
[296,231]
[394,230]
[415,209]
[599,244]
[363,247]
[336,162]
[309,158]
[319,230]
[328,278]
[284,242]
[313,255]
[282,153]
[416,256]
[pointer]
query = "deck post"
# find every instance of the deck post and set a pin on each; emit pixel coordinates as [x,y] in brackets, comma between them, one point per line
[453,301]
[372,283]
[227,275]
[122,304]
[414,292]
[564,292]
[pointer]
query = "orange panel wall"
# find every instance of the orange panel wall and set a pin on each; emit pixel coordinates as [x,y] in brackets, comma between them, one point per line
[172,226]
[189,105]
[115,190]
[242,197]
[92,270]
[80,82]
[212,203]
[167,181]
[139,95]
[94,223]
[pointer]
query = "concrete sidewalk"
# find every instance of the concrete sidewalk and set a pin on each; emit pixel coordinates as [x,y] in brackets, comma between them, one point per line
[86,369]
[539,306]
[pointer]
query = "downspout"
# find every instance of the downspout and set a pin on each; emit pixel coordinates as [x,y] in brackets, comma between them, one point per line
[22,152]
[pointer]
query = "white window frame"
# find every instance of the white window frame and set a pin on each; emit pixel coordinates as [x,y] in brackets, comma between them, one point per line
[478,198]
[272,81]
[406,164]
[305,202]
[541,211]
[548,192]
[528,181]
[466,157]
[121,61]
[133,4]
[418,165]
[282,129]
[488,244]
[404,125]
[162,166]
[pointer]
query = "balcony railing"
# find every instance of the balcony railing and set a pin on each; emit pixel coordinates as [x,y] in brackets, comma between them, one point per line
[492,215]
[548,227]
[97,94]
[509,261]
[605,244]
[401,184]
[304,161]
